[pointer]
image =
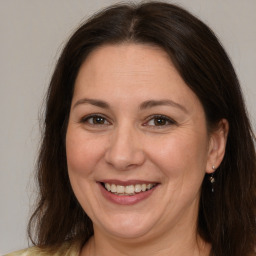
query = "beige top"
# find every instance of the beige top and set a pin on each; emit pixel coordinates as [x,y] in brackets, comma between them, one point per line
[67,249]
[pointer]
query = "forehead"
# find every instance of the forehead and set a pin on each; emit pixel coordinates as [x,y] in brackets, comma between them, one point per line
[133,70]
[126,58]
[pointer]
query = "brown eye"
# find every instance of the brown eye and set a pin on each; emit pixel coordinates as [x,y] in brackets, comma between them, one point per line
[98,120]
[159,121]
[95,120]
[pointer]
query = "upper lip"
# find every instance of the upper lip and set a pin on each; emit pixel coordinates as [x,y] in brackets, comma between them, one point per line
[127,182]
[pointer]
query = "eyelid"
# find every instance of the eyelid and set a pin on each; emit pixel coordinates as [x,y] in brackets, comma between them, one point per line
[168,119]
[84,119]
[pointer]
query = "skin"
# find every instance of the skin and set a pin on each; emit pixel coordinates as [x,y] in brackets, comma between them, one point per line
[127,143]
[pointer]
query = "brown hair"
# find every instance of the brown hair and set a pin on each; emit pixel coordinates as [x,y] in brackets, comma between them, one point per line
[227,216]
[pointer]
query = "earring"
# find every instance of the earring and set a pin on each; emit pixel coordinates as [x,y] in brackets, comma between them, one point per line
[212,179]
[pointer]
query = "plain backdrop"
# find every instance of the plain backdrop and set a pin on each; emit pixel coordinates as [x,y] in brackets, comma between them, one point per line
[32,34]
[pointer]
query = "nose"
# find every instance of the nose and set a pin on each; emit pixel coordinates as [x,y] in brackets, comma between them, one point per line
[125,150]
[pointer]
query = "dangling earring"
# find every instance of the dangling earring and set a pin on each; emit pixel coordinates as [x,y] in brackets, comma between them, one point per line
[212,179]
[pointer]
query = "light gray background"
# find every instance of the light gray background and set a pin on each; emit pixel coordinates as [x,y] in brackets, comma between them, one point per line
[32,35]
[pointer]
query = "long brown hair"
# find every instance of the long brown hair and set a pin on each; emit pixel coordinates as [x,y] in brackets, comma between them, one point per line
[227,216]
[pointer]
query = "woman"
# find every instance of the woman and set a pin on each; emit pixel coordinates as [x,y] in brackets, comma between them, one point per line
[147,148]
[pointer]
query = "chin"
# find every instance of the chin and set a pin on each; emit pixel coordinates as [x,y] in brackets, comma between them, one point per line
[128,227]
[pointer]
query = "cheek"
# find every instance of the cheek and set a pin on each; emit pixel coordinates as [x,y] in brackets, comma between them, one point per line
[82,156]
[183,154]
[83,152]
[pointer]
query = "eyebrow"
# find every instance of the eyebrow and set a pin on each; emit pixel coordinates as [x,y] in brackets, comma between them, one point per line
[144,105]
[95,102]
[164,102]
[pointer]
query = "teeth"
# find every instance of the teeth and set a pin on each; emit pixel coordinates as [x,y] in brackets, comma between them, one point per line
[128,190]
[113,188]
[137,188]
[149,186]
[108,187]
[120,189]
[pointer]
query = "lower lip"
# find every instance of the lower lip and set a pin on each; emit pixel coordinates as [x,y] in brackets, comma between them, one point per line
[126,200]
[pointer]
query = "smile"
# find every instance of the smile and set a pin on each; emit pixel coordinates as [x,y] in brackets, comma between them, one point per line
[129,190]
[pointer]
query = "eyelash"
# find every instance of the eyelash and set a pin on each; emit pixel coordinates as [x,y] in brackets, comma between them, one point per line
[94,116]
[167,121]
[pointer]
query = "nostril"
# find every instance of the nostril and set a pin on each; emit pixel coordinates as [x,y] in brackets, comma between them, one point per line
[124,150]
[125,159]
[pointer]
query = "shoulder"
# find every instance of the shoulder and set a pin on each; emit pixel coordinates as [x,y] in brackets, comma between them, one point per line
[29,251]
[67,249]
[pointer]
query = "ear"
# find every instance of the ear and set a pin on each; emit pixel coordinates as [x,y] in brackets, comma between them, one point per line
[217,146]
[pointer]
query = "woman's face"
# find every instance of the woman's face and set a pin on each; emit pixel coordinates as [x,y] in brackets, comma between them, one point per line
[137,143]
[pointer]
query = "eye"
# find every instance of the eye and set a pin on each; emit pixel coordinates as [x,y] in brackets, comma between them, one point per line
[160,120]
[95,120]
